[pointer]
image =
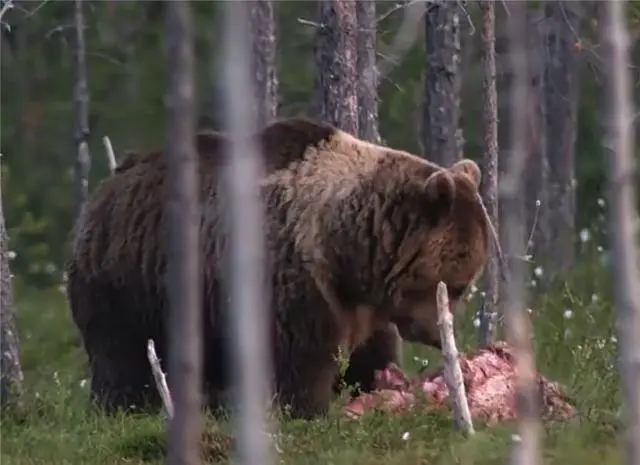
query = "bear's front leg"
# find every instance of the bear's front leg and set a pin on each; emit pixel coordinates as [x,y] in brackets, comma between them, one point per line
[382,348]
[305,387]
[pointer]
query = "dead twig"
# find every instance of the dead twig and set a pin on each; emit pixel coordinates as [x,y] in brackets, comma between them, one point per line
[452,371]
[111,158]
[160,378]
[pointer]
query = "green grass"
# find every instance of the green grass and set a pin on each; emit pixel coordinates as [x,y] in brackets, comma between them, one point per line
[579,351]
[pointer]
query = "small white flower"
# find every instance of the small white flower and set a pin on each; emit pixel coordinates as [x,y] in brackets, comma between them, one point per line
[538,271]
[567,314]
[12,255]
[614,339]
[538,203]
[83,383]
[534,283]
[594,298]
[601,202]
[516,438]
[476,323]
[599,248]
[406,436]
[585,235]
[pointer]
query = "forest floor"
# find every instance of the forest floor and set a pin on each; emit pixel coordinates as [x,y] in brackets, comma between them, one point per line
[575,345]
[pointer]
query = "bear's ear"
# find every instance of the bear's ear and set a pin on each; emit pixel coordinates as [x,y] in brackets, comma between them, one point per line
[470,169]
[440,188]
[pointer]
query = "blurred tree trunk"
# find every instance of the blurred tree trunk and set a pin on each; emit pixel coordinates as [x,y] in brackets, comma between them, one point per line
[367,71]
[81,98]
[519,334]
[11,380]
[263,30]
[490,168]
[442,135]
[336,63]
[183,223]
[561,90]
[623,214]
[537,167]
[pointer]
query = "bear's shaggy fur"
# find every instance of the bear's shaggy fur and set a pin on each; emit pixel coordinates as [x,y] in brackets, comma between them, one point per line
[358,237]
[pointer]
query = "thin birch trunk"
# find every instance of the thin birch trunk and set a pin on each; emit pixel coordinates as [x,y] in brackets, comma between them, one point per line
[249,304]
[526,451]
[183,223]
[11,378]
[81,98]
[623,225]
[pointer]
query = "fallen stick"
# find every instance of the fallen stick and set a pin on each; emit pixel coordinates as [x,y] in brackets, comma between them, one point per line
[452,372]
[160,378]
[111,157]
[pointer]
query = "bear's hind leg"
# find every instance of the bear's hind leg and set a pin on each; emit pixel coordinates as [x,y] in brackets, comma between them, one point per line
[121,380]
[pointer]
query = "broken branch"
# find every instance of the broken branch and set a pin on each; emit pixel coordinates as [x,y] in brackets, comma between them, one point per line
[452,371]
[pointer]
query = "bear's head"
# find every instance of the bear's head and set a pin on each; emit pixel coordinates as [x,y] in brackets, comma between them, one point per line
[440,231]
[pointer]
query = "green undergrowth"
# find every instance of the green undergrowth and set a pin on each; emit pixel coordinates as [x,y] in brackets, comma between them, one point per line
[575,344]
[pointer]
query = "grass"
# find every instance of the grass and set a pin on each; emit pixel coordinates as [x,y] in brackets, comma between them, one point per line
[575,344]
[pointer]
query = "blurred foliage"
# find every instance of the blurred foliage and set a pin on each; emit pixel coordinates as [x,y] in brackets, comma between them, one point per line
[125,44]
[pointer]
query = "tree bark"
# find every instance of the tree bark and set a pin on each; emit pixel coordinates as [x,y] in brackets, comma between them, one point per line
[263,30]
[81,99]
[623,224]
[561,89]
[442,136]
[490,168]
[183,223]
[11,379]
[367,71]
[336,62]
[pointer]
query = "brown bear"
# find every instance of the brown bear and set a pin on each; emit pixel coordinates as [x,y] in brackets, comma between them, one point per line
[358,236]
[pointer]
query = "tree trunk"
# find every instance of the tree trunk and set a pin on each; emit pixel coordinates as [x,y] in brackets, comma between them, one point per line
[81,98]
[183,223]
[442,136]
[561,84]
[263,30]
[367,71]
[490,168]
[11,380]
[336,62]
[249,306]
[537,166]
[623,220]
[527,451]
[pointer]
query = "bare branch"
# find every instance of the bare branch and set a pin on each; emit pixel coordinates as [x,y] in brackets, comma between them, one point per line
[452,372]
[246,254]
[8,4]
[623,225]
[160,378]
